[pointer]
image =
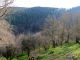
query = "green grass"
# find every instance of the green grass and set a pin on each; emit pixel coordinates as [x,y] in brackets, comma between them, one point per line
[61,52]
[2,58]
[21,57]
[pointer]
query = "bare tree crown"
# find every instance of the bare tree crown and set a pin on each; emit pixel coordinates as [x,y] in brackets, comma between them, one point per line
[4,6]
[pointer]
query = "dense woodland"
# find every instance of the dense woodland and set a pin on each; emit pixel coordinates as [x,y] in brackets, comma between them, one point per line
[31,19]
[29,29]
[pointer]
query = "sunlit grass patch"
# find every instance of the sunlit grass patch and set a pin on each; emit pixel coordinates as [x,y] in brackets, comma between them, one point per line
[21,57]
[2,58]
[61,52]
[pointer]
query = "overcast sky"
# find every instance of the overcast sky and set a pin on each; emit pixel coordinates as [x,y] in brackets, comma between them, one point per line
[48,3]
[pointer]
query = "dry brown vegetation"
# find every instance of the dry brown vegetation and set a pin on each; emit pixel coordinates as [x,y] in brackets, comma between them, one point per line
[6,35]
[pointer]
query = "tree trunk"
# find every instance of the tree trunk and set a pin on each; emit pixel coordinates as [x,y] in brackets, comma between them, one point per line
[44,48]
[62,40]
[77,40]
[28,51]
[53,43]
[68,38]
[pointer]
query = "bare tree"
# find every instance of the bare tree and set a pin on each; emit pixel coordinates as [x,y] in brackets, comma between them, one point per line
[41,40]
[45,42]
[11,51]
[38,40]
[27,43]
[77,27]
[50,29]
[4,7]
[66,21]
[61,33]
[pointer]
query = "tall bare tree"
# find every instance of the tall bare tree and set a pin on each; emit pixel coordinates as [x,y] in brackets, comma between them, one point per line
[67,19]
[77,27]
[50,29]
[4,6]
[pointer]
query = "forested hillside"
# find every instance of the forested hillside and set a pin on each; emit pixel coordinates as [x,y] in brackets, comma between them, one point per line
[40,32]
[31,19]
[74,9]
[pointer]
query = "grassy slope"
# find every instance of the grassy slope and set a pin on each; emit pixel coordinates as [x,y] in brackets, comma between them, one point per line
[60,53]
[21,57]
[2,58]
